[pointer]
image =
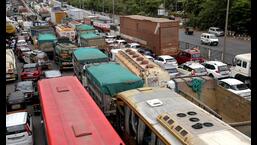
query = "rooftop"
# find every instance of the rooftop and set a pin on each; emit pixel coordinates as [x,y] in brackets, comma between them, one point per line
[139,17]
[16,119]
[232,81]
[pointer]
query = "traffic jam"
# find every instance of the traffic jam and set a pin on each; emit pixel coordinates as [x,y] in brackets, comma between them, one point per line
[77,78]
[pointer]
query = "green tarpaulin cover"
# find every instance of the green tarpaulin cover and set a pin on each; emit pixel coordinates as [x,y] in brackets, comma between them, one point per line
[48,37]
[113,78]
[84,27]
[90,35]
[90,55]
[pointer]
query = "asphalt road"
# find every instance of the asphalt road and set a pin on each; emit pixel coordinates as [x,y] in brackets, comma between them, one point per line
[234,46]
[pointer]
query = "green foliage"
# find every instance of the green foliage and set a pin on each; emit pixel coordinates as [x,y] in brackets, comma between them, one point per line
[207,13]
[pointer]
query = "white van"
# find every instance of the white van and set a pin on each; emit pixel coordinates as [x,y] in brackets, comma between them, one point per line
[209,39]
[19,129]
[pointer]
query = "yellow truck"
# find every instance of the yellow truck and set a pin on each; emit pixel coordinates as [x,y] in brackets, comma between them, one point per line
[10,28]
[152,74]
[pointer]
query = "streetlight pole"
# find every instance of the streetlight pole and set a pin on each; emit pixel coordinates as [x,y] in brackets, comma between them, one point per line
[113,11]
[225,36]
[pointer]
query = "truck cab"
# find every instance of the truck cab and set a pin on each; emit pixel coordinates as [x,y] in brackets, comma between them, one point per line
[193,54]
[241,68]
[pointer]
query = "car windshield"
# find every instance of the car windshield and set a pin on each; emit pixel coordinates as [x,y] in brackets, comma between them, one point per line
[218,29]
[30,69]
[200,70]
[239,87]
[15,129]
[223,68]
[213,37]
[197,55]
[172,70]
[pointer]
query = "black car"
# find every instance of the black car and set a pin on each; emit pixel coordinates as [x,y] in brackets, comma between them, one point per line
[16,101]
[146,51]
[29,89]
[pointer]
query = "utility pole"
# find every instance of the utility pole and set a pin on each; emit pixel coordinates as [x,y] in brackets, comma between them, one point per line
[113,11]
[103,5]
[225,36]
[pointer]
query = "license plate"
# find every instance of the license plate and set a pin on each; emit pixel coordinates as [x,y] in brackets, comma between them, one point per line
[29,75]
[17,106]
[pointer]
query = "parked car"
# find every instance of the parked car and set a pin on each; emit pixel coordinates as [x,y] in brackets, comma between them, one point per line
[149,57]
[31,71]
[216,31]
[52,74]
[209,39]
[189,30]
[171,69]
[166,59]
[193,54]
[217,69]
[19,129]
[236,86]
[192,69]
[28,88]
[15,101]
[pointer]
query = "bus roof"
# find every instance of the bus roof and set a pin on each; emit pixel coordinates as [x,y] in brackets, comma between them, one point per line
[165,111]
[71,116]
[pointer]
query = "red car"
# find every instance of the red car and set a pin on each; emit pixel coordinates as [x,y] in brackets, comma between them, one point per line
[31,71]
[193,54]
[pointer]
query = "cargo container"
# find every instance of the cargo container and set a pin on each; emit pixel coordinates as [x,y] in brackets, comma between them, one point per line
[57,15]
[105,80]
[76,14]
[63,54]
[65,31]
[91,40]
[83,56]
[157,34]
[152,74]
[229,107]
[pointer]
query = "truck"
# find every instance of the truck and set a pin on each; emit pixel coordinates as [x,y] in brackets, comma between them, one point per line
[44,13]
[105,80]
[83,56]
[65,31]
[85,28]
[89,39]
[152,74]
[57,15]
[11,70]
[205,92]
[157,34]
[46,42]
[10,28]
[63,54]
[241,68]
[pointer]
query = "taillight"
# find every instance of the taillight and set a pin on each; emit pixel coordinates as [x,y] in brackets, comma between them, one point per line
[193,72]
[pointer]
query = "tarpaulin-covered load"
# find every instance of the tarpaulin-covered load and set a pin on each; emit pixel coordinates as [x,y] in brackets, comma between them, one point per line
[48,37]
[112,78]
[89,36]
[85,27]
[91,39]
[90,55]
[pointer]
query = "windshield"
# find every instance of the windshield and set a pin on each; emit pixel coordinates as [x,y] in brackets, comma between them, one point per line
[223,68]
[29,69]
[218,29]
[197,55]
[239,87]
[200,70]
[171,60]
[172,70]
[15,129]
[213,37]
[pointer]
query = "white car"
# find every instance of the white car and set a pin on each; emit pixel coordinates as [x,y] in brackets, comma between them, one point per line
[216,69]
[110,39]
[133,45]
[237,87]
[171,69]
[149,57]
[19,129]
[209,39]
[166,59]
[216,31]
[192,69]
[52,74]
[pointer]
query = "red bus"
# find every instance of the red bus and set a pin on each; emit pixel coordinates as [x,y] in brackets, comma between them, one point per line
[70,115]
